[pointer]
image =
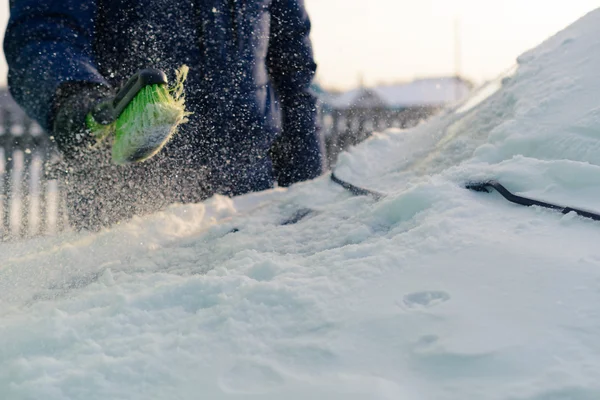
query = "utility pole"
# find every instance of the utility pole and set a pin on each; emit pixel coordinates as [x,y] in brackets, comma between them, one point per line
[361,79]
[457,58]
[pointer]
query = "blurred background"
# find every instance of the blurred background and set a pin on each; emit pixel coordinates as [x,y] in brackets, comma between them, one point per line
[381,64]
[387,41]
[369,51]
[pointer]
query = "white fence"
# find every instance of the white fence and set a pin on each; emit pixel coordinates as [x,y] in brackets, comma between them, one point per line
[31,203]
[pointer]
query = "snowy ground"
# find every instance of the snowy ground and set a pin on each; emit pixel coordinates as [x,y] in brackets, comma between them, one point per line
[434,292]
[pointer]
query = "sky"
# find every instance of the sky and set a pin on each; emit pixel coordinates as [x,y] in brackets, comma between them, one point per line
[386,41]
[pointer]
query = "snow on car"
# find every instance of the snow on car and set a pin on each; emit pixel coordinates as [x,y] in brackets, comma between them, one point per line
[432,292]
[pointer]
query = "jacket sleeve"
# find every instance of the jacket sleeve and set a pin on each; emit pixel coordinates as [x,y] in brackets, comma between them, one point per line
[48,43]
[297,153]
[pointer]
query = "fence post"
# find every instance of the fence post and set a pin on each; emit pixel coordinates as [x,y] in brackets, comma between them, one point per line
[7,178]
[43,151]
[26,144]
[61,208]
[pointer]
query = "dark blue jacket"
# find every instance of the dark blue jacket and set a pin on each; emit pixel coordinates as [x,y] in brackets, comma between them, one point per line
[250,62]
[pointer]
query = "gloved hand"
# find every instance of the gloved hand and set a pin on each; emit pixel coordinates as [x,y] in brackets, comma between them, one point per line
[143,115]
[73,102]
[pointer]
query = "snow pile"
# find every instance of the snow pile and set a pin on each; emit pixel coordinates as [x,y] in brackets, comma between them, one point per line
[433,292]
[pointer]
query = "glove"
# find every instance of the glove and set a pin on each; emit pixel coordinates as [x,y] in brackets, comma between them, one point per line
[73,101]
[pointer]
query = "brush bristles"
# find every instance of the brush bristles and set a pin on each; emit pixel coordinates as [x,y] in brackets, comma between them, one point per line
[148,121]
[146,124]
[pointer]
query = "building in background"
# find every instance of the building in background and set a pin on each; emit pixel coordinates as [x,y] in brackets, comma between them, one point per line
[9,107]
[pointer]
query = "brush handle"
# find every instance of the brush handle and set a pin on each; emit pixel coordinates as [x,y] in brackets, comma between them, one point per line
[107,112]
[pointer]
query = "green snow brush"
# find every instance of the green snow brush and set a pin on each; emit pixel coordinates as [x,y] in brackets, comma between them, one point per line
[143,115]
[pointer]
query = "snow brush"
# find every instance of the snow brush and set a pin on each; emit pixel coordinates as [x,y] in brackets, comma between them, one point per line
[143,115]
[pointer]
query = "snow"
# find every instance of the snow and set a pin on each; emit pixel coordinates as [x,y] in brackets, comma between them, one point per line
[433,292]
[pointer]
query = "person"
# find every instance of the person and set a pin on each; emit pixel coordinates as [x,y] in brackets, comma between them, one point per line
[253,121]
